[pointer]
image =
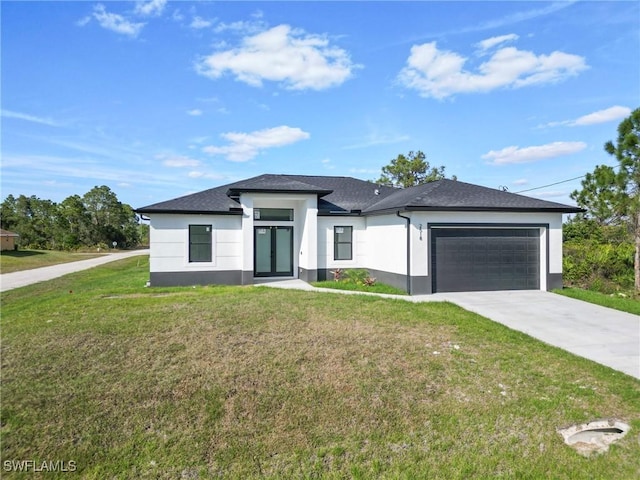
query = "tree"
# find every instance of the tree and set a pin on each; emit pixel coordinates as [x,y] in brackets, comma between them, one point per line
[410,170]
[75,223]
[111,220]
[95,219]
[614,198]
[9,218]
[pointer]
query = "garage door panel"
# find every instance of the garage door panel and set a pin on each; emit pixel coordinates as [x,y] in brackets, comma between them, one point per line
[466,259]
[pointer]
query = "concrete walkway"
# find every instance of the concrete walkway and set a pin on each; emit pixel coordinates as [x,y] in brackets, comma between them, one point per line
[9,281]
[604,335]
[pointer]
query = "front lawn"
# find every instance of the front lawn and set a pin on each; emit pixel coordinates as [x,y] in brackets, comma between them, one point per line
[624,303]
[17,260]
[252,382]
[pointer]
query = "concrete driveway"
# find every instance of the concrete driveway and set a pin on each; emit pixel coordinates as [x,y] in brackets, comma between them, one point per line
[606,336]
[9,281]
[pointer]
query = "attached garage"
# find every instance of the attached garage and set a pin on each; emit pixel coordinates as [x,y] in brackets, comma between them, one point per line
[483,259]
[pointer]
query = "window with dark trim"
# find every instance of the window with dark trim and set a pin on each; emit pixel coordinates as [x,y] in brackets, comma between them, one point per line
[342,243]
[273,214]
[200,243]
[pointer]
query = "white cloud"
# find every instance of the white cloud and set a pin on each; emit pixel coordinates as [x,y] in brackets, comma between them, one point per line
[376,139]
[549,194]
[489,43]
[116,23]
[33,169]
[177,16]
[28,118]
[152,8]
[515,154]
[199,22]
[204,175]
[521,181]
[201,139]
[178,161]
[602,116]
[83,21]
[298,60]
[195,112]
[241,27]
[441,73]
[245,146]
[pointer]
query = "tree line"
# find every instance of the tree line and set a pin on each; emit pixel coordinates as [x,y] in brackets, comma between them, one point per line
[96,219]
[602,245]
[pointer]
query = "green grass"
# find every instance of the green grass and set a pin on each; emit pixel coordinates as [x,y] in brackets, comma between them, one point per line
[375,288]
[17,260]
[625,304]
[246,382]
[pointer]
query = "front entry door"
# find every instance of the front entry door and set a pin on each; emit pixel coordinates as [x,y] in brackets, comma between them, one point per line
[273,251]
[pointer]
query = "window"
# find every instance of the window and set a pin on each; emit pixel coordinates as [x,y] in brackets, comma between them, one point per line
[342,243]
[200,243]
[273,214]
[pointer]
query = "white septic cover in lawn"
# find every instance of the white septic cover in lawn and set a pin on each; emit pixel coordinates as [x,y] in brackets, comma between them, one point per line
[595,436]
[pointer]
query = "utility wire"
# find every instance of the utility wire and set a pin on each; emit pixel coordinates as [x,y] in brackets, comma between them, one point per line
[562,181]
[551,184]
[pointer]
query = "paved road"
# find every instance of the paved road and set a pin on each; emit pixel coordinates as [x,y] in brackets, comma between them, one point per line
[9,281]
[604,335]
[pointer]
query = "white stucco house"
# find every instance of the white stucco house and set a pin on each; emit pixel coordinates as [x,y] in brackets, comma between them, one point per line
[438,237]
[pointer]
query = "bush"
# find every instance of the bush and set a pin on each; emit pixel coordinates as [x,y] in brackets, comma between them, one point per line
[603,267]
[356,275]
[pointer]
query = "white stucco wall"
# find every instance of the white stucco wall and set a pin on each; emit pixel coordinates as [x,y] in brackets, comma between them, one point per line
[169,249]
[325,237]
[386,243]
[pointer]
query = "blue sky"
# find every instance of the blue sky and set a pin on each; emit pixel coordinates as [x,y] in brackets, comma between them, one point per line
[158,99]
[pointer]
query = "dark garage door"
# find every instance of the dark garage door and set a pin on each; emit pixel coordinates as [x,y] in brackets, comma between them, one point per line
[469,259]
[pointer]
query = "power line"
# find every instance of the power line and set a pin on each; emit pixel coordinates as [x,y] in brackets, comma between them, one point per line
[552,184]
[562,181]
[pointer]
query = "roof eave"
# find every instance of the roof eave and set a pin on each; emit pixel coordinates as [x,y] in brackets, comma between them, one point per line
[237,191]
[231,211]
[411,208]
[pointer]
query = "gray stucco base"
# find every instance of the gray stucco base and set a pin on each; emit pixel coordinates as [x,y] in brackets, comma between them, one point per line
[307,275]
[184,279]
[247,277]
[554,280]
[420,285]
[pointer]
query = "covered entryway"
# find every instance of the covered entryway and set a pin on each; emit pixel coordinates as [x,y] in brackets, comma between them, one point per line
[273,255]
[483,259]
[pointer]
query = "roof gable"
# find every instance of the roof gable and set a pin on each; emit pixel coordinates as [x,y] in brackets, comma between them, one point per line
[275,184]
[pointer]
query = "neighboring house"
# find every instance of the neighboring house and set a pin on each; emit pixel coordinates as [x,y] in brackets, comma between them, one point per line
[437,237]
[7,240]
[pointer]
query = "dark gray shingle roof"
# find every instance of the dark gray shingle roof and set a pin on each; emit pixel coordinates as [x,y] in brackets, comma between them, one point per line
[350,195]
[455,195]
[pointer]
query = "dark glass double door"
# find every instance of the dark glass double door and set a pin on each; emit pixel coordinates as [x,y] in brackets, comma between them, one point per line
[273,251]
